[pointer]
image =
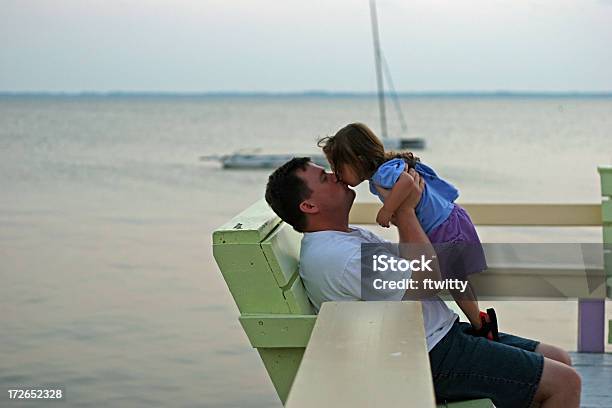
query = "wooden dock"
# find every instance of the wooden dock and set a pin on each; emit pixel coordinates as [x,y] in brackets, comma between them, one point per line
[596,372]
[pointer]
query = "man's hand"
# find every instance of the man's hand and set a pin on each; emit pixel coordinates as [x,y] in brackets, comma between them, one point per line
[416,188]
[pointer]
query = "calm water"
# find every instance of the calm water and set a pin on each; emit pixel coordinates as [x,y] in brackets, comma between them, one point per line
[108,286]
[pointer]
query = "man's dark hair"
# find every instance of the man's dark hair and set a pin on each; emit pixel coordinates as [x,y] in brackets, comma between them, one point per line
[285,191]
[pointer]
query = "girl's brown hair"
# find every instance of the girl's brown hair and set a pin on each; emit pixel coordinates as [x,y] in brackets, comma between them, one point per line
[357,146]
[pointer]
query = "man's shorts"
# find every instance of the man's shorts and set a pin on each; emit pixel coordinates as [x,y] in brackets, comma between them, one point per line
[467,367]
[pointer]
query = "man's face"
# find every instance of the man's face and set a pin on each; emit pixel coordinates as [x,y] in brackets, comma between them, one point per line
[328,194]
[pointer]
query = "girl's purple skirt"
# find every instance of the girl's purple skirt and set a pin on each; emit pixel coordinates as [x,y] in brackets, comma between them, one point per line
[457,246]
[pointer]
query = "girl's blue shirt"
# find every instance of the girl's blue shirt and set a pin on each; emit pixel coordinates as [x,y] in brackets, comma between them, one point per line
[437,199]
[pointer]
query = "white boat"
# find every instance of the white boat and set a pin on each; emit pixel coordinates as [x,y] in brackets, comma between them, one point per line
[403,143]
[260,161]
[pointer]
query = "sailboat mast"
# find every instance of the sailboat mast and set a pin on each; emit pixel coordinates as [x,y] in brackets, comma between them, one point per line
[378,63]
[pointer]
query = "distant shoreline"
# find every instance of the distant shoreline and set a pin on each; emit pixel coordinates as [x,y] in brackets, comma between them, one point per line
[306,94]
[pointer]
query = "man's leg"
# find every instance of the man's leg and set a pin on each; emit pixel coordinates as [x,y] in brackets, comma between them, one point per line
[559,386]
[554,353]
[468,367]
[513,372]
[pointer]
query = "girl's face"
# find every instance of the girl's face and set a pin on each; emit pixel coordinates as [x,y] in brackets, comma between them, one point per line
[349,176]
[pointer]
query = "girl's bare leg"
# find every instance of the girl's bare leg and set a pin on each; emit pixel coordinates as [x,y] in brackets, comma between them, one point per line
[468,303]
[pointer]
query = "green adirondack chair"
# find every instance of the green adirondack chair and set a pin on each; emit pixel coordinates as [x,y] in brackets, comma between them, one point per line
[605,173]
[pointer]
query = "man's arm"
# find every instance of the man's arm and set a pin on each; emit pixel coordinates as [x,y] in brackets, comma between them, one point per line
[414,243]
[400,191]
[413,240]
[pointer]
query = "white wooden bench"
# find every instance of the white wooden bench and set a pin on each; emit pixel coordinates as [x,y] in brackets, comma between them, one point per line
[258,256]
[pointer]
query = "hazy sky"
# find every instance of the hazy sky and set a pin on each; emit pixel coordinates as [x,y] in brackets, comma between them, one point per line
[294,45]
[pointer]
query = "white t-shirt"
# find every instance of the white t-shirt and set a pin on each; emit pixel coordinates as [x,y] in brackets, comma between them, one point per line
[330,268]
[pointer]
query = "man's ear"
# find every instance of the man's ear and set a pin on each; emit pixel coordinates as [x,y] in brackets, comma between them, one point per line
[308,207]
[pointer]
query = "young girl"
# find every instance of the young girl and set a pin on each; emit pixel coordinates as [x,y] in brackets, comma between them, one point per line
[356,154]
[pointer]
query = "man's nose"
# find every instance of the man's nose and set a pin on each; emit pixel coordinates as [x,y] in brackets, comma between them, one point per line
[335,178]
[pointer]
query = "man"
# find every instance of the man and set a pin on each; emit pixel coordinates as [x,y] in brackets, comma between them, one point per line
[513,372]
